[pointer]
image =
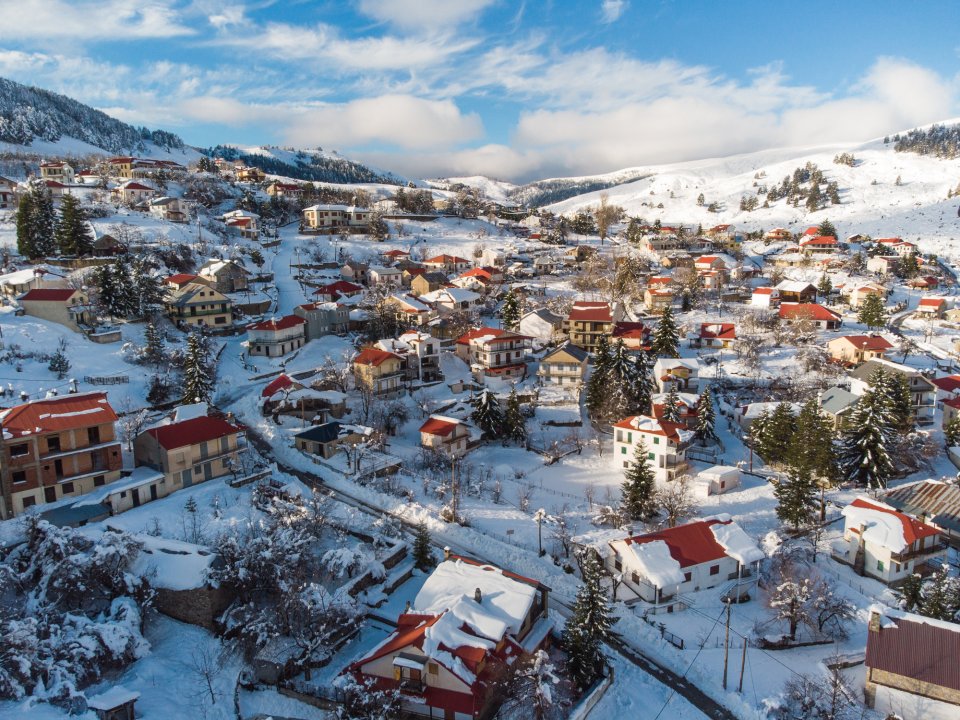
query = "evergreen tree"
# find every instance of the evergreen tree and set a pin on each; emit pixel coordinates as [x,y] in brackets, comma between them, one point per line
[588,626]
[827,229]
[26,243]
[153,349]
[705,431]
[872,312]
[73,234]
[59,363]
[796,498]
[487,414]
[515,425]
[864,447]
[911,593]
[824,287]
[422,550]
[620,382]
[642,388]
[772,438]
[42,221]
[671,405]
[197,383]
[638,491]
[510,312]
[951,432]
[940,597]
[107,292]
[812,443]
[597,384]
[666,338]
[901,403]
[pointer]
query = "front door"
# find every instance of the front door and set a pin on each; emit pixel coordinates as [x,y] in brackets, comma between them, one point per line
[187,477]
[207,471]
[135,494]
[50,494]
[153,492]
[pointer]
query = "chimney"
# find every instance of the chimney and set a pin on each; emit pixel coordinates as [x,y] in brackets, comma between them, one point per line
[406,608]
[478,596]
[874,624]
[446,553]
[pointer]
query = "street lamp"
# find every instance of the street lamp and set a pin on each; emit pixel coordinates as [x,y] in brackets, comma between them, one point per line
[539,516]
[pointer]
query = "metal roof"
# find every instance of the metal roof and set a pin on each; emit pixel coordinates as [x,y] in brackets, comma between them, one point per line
[934,501]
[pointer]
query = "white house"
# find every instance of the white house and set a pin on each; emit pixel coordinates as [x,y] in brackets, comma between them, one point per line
[452,299]
[886,544]
[682,373]
[445,434]
[765,297]
[658,567]
[390,276]
[665,442]
[542,325]
[717,480]
[276,337]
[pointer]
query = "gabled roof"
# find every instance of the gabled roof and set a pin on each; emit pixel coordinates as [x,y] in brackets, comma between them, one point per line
[180,279]
[885,525]
[718,331]
[795,286]
[950,383]
[932,302]
[630,330]
[814,311]
[651,426]
[487,335]
[49,295]
[191,432]
[579,354]
[327,432]
[446,260]
[439,425]
[700,542]
[916,647]
[340,287]
[277,324]
[875,343]
[835,400]
[57,414]
[819,240]
[933,500]
[279,383]
[374,357]
[133,185]
[865,371]
[591,311]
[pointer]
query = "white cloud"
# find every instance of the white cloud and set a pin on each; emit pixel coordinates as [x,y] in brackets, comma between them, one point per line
[423,14]
[117,20]
[400,121]
[611,10]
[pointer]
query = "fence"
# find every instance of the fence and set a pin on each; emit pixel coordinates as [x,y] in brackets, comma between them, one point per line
[107,380]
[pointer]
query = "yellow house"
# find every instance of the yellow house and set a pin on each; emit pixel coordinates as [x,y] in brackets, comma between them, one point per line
[379,370]
[856,349]
[200,305]
[566,365]
[657,300]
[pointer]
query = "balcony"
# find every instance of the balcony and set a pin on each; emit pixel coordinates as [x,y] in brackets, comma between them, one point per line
[939,546]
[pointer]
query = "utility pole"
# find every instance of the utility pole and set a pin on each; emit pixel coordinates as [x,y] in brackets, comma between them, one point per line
[726,647]
[743,664]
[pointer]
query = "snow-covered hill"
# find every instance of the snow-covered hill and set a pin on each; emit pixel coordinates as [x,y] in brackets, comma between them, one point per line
[871,200]
[300,164]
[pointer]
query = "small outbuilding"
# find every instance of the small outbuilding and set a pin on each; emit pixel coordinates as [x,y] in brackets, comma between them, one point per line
[717,480]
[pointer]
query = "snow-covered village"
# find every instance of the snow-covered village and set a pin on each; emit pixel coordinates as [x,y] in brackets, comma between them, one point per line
[307,433]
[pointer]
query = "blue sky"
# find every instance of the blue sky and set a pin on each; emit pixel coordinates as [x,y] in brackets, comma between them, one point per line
[509,89]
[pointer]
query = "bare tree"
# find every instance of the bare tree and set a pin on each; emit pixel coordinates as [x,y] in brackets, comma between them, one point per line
[335,374]
[606,215]
[675,500]
[131,421]
[206,662]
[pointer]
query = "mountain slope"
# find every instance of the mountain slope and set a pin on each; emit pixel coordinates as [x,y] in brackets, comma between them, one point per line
[312,165]
[29,114]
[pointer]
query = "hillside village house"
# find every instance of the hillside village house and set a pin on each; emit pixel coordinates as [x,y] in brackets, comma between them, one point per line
[765,297]
[243,222]
[635,335]
[68,307]
[932,307]
[665,442]
[226,276]
[16,283]
[687,404]
[170,209]
[896,245]
[837,403]
[817,315]
[355,272]
[57,170]
[923,393]
[935,502]
[420,352]
[428,282]
[410,311]
[284,191]
[328,318]
[337,290]
[379,370]
[778,234]
[587,321]
[856,294]
[133,167]
[328,439]
[661,566]
[276,337]
[542,326]
[564,366]
[493,352]
[886,544]
[855,349]
[819,244]
[682,373]
[462,635]
[883,264]
[189,451]
[657,299]
[334,218]
[446,435]
[795,291]
[658,244]
[715,335]
[448,264]
[8,193]
[132,193]
[55,448]
[198,304]
[911,666]
[452,299]
[389,276]
[249,174]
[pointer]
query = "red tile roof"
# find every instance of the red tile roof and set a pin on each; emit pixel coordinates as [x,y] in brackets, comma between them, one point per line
[814,311]
[913,530]
[180,279]
[932,302]
[918,648]
[275,325]
[660,280]
[340,287]
[690,544]
[820,240]
[868,342]
[591,312]
[373,357]
[493,335]
[630,330]
[438,426]
[720,331]
[446,260]
[763,291]
[58,414]
[950,383]
[49,295]
[134,186]
[663,428]
[192,432]
[281,382]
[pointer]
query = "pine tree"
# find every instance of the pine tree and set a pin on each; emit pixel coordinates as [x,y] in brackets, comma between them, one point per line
[642,388]
[827,229]
[515,425]
[864,447]
[26,244]
[73,234]
[705,431]
[811,446]
[105,281]
[59,363]
[487,414]
[772,438]
[796,498]
[146,290]
[911,592]
[153,349]
[901,403]
[42,221]
[620,381]
[638,491]
[671,405]
[666,338]
[597,385]
[588,626]
[422,549]
[510,312]
[951,432]
[940,597]
[872,312]
[197,383]
[824,287]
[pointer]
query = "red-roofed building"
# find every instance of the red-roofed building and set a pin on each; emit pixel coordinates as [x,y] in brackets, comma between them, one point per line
[715,335]
[447,263]
[276,337]
[189,451]
[57,170]
[180,279]
[686,409]
[856,349]
[284,190]
[886,544]
[132,192]
[814,313]
[947,388]
[777,234]
[819,244]
[55,448]
[665,443]
[279,384]
[64,306]
[635,335]
[929,307]
[493,352]
[765,297]
[587,322]
[336,290]
[661,566]
[459,641]
[444,434]
[380,371]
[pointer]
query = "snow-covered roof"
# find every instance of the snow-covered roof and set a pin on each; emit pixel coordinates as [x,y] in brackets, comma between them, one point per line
[113,698]
[736,543]
[142,475]
[656,563]
[884,525]
[175,565]
[193,410]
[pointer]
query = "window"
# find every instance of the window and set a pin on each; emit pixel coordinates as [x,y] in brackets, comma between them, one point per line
[19,450]
[93,435]
[880,565]
[650,456]
[618,563]
[67,488]
[29,501]
[18,477]
[687,577]
[99,481]
[626,463]
[656,441]
[714,569]
[433,668]
[635,578]
[623,450]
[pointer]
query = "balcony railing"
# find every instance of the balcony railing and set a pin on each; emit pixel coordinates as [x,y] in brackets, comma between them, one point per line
[939,546]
